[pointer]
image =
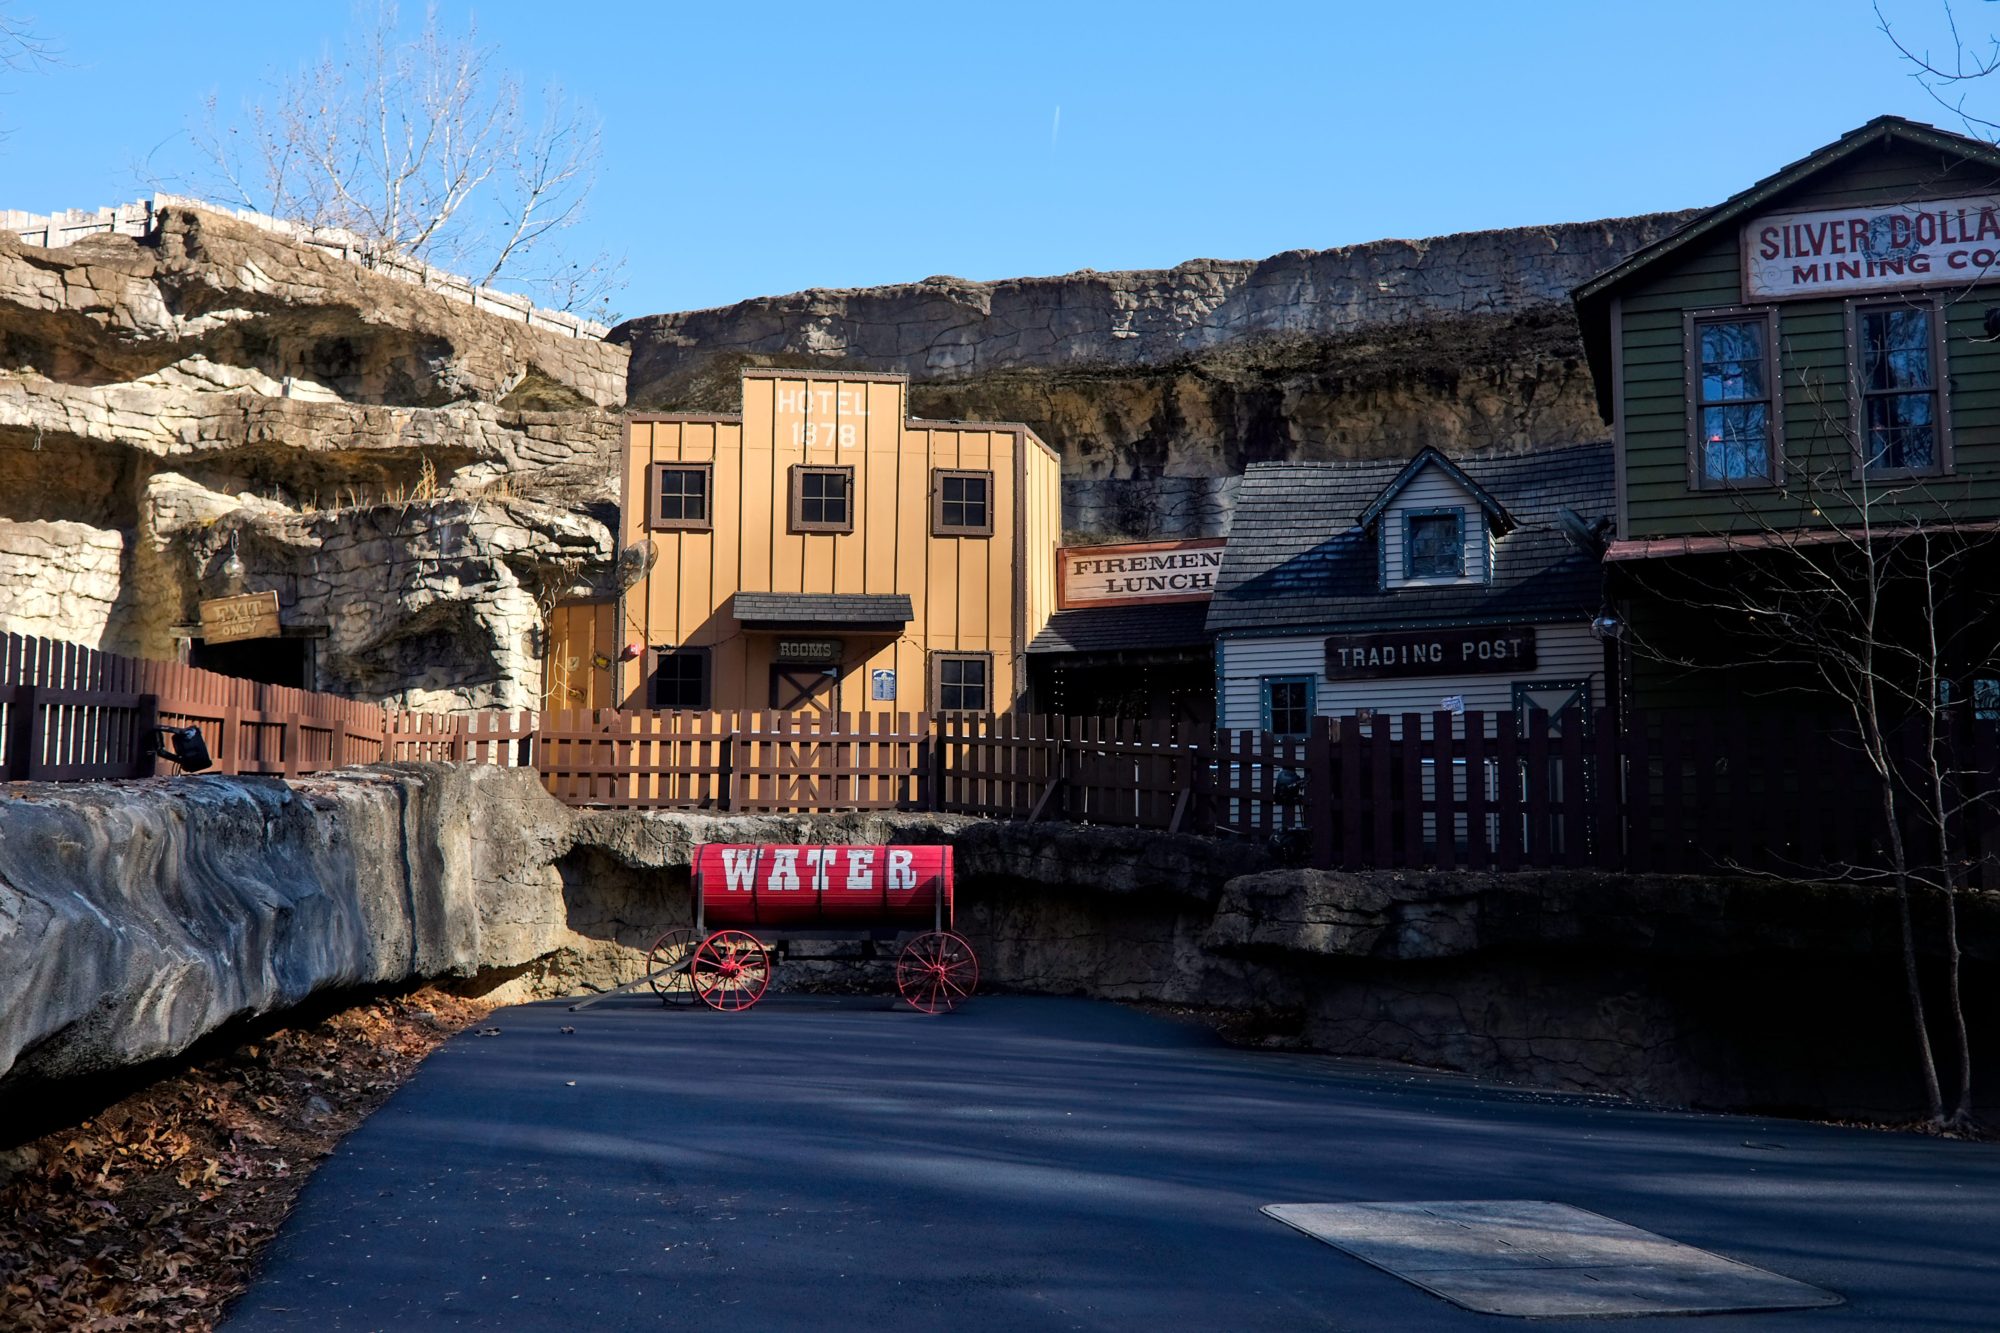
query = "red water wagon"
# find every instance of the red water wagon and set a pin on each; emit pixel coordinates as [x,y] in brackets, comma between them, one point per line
[751,902]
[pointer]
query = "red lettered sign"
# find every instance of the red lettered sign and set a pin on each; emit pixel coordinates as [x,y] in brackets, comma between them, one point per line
[822,887]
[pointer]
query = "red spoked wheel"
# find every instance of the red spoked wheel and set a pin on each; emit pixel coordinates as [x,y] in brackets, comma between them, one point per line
[937,972]
[668,968]
[730,970]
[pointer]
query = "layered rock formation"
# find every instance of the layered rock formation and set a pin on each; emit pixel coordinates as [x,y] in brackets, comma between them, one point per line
[1157,386]
[415,478]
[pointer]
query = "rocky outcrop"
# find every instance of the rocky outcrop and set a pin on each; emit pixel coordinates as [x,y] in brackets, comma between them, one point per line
[136,918]
[1147,380]
[415,477]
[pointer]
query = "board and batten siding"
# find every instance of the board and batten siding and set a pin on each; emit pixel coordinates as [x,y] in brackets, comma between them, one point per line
[1651,404]
[1433,489]
[1562,652]
[979,594]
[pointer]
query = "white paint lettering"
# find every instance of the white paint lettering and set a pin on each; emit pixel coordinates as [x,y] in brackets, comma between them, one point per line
[739,869]
[902,870]
[860,871]
[821,859]
[784,870]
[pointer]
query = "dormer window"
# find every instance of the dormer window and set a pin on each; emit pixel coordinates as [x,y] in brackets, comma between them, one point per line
[1434,546]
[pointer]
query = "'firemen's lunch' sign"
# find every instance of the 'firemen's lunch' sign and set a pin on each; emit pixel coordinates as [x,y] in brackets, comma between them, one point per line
[1838,250]
[1137,574]
[1444,652]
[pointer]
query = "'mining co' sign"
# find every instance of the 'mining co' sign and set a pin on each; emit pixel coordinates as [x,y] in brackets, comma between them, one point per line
[1138,574]
[1834,251]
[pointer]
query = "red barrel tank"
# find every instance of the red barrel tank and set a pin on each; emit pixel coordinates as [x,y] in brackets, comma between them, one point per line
[814,887]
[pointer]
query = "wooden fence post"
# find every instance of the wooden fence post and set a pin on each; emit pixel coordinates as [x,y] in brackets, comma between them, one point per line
[1319,793]
[24,734]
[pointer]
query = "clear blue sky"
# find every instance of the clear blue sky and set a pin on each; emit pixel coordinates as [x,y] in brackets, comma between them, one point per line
[755,149]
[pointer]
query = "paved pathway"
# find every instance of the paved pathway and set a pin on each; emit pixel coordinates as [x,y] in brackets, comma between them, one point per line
[1037,1164]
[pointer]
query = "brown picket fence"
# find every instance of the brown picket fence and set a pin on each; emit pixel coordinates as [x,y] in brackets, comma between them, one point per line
[1757,792]
[72,714]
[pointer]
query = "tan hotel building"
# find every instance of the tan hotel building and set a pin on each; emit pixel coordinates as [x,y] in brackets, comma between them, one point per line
[822,551]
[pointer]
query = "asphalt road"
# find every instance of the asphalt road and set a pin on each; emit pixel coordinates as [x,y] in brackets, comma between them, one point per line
[1036,1164]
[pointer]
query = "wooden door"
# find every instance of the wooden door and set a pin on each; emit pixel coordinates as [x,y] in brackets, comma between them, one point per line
[582,651]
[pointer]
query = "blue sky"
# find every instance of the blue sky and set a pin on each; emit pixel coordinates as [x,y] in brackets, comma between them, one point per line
[758,149]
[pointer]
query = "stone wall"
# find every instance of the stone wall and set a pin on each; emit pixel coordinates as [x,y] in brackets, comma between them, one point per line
[136,917]
[1148,381]
[414,477]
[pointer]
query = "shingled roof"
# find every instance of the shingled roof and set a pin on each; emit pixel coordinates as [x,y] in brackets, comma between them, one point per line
[1298,559]
[1123,629]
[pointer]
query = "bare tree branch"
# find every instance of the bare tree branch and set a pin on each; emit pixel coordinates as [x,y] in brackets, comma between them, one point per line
[422,146]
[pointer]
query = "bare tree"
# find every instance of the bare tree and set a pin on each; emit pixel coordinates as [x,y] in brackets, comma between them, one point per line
[1865,597]
[424,146]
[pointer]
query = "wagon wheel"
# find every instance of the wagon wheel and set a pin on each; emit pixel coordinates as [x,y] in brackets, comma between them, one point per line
[729,970]
[937,970]
[667,966]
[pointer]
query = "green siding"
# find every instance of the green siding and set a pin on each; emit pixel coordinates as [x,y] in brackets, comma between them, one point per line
[1812,339]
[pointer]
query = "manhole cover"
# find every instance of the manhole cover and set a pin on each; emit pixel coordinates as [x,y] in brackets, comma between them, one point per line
[1543,1260]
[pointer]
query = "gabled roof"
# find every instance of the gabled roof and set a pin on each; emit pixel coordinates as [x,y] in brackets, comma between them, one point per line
[1296,563]
[1497,516]
[1593,298]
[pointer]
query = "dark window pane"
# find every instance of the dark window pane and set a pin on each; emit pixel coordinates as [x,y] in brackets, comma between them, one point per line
[1732,361]
[1736,443]
[1901,431]
[680,680]
[823,498]
[1895,350]
[962,502]
[683,494]
[1436,547]
[962,683]
[1291,706]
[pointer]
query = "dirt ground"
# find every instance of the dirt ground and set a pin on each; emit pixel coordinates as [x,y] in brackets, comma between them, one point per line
[151,1213]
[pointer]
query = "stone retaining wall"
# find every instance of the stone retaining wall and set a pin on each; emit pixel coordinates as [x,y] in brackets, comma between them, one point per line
[137,917]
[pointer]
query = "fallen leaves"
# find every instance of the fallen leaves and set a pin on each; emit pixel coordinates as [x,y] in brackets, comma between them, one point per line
[150,1214]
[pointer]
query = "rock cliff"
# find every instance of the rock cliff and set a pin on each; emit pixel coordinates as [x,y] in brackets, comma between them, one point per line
[414,476]
[1157,386]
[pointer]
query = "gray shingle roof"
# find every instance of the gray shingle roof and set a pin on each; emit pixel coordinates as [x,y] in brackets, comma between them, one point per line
[1111,629]
[826,609]
[1298,560]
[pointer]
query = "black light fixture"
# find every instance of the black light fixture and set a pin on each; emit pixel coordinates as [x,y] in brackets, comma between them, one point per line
[183,745]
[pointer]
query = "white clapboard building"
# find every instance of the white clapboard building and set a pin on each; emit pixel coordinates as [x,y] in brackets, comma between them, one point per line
[1435,584]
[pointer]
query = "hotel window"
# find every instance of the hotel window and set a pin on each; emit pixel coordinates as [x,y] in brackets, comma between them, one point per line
[962,682]
[961,504]
[1899,411]
[1733,409]
[822,499]
[1288,705]
[1434,545]
[680,678]
[677,495]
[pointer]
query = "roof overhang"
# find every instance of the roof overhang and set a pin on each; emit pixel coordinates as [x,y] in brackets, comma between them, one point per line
[884,612]
[1497,516]
[1665,548]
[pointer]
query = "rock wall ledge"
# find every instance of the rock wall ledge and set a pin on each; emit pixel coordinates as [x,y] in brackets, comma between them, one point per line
[136,918]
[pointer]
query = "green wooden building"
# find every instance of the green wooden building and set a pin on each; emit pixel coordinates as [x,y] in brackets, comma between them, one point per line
[1810,367]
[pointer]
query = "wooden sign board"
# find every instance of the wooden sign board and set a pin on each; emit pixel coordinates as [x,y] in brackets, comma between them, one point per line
[254,615]
[1442,652]
[815,652]
[1138,573]
[1871,248]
